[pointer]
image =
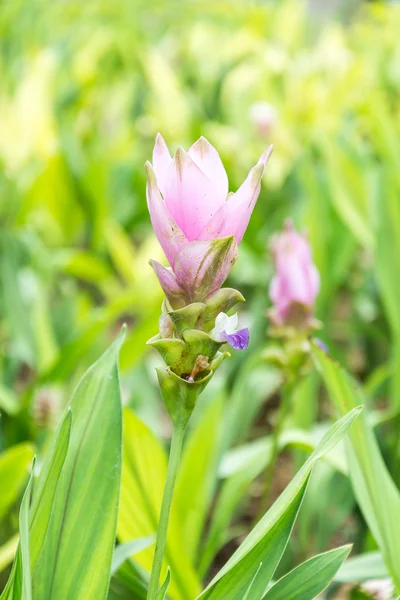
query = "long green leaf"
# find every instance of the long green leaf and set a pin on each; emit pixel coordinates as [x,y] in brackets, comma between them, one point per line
[124,551]
[309,579]
[162,591]
[75,559]
[376,493]
[43,498]
[235,577]
[258,565]
[19,586]
[25,541]
[14,464]
[143,476]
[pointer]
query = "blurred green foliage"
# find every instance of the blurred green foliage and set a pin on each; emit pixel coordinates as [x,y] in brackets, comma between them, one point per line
[85,87]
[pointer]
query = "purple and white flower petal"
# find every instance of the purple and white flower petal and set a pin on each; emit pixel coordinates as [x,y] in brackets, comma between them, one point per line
[238,340]
[225,331]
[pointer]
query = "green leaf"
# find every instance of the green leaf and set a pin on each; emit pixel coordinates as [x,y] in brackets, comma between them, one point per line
[125,551]
[130,582]
[197,476]
[363,567]
[46,486]
[8,552]
[8,401]
[268,539]
[309,579]
[162,591]
[14,464]
[143,475]
[247,595]
[19,585]
[233,492]
[43,496]
[262,554]
[81,528]
[375,491]
[24,551]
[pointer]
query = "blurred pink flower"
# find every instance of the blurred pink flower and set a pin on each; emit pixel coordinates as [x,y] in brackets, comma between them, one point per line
[264,116]
[381,589]
[296,282]
[198,224]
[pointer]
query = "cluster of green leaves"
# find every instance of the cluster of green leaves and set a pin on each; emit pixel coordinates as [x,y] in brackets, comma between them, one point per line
[68,514]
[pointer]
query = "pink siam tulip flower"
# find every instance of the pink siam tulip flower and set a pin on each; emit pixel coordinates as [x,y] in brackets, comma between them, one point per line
[296,282]
[198,224]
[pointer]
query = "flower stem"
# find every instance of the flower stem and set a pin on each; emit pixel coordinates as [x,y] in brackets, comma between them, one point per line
[173,465]
[275,439]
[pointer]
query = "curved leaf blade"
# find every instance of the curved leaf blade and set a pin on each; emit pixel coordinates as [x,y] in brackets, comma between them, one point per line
[241,567]
[75,560]
[310,578]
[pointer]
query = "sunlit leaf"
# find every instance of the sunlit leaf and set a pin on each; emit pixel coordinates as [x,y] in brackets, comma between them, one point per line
[309,579]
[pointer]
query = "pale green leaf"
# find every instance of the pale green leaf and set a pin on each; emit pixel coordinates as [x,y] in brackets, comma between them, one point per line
[309,579]
[124,551]
[43,498]
[363,567]
[240,569]
[376,493]
[162,591]
[81,529]
[14,464]
[261,558]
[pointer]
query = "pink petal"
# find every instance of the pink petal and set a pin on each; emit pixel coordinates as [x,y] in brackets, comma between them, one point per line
[202,267]
[234,215]
[314,281]
[288,242]
[167,231]
[207,159]
[161,161]
[171,287]
[190,196]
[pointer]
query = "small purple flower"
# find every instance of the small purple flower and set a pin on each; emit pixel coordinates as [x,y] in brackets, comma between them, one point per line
[225,331]
[238,340]
[321,345]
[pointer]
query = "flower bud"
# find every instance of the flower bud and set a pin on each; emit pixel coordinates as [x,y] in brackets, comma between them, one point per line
[296,282]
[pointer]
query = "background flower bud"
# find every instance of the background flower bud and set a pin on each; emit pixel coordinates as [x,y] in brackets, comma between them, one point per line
[296,282]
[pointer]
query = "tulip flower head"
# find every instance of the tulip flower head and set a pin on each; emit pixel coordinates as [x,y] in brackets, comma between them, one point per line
[198,224]
[296,282]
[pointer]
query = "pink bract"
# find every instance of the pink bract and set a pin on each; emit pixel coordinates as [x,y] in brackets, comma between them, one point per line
[198,224]
[296,281]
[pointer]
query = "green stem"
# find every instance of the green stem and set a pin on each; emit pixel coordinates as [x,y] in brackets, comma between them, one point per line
[173,465]
[275,439]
